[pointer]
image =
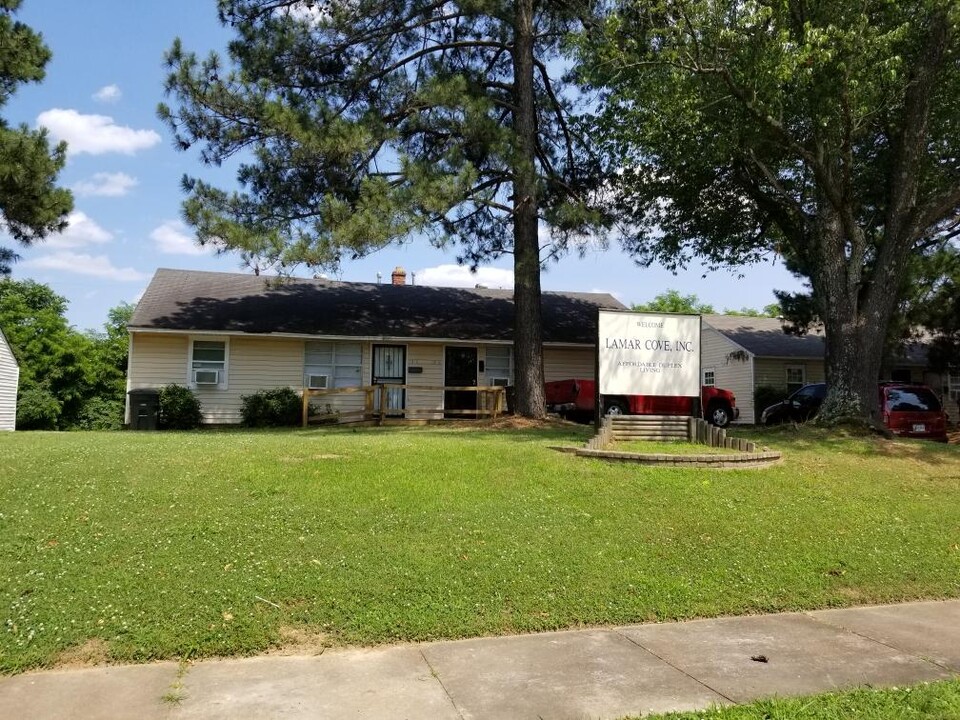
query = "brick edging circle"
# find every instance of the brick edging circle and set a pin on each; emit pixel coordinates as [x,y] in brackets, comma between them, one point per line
[725,461]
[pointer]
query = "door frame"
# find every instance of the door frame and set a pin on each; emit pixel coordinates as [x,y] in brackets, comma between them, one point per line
[476,372]
[373,367]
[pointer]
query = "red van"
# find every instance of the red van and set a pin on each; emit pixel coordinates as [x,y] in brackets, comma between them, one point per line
[913,411]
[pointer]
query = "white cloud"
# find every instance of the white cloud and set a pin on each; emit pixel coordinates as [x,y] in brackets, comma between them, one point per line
[306,11]
[460,276]
[81,230]
[94,265]
[172,239]
[106,185]
[108,94]
[95,134]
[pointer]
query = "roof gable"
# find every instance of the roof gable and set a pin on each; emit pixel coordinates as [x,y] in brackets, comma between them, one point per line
[228,302]
[765,337]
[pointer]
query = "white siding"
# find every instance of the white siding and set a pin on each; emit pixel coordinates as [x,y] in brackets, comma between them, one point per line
[253,364]
[773,373]
[157,360]
[732,367]
[258,363]
[569,363]
[430,359]
[9,378]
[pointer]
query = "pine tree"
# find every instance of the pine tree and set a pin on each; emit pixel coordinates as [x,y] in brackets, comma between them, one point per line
[368,122]
[31,204]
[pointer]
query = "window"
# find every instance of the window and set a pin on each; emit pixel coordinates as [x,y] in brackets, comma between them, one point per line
[953,384]
[709,377]
[208,364]
[499,365]
[796,378]
[331,365]
[917,399]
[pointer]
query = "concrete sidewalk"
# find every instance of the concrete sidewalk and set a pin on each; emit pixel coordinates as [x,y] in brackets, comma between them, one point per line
[600,673]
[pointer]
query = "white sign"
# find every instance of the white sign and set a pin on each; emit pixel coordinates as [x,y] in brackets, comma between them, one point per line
[649,354]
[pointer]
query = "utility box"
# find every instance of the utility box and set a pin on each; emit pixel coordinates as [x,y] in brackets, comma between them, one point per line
[144,409]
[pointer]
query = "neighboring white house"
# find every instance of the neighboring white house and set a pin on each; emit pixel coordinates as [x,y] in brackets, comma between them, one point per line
[9,379]
[742,354]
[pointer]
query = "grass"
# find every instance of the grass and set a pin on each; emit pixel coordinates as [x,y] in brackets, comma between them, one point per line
[160,545]
[933,701]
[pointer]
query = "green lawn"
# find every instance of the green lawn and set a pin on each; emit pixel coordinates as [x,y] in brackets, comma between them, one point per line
[190,544]
[934,701]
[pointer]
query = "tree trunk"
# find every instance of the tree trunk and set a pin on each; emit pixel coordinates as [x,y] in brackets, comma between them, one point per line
[528,323]
[856,320]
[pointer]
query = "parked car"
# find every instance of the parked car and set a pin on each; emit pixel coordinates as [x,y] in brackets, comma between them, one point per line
[799,407]
[913,411]
[908,410]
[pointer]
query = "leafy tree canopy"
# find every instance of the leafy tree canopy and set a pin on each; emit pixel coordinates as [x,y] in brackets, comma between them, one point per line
[672,301]
[363,123]
[772,310]
[822,131]
[30,203]
[64,374]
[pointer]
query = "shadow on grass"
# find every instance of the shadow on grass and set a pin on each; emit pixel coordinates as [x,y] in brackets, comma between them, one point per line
[811,438]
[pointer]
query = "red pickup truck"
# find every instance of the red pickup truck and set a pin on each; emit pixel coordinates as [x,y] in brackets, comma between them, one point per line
[576,398]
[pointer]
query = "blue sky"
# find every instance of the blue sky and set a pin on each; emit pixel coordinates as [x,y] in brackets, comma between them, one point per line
[101,93]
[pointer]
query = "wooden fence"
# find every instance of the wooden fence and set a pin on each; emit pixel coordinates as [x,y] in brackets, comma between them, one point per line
[491,403]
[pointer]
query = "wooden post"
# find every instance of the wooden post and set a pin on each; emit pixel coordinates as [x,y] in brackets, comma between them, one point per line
[306,406]
[383,403]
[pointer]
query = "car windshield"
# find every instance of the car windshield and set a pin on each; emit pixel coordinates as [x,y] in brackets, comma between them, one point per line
[911,400]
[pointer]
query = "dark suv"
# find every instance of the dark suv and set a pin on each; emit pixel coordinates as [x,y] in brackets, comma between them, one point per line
[799,407]
[913,411]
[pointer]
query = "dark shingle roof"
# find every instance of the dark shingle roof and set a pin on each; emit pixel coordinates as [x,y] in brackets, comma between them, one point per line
[226,302]
[764,337]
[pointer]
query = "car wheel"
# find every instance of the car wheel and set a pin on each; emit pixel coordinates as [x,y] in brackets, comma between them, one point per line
[614,407]
[719,415]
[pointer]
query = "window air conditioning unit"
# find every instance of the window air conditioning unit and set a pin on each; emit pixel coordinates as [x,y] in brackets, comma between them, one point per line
[318,382]
[206,377]
[499,382]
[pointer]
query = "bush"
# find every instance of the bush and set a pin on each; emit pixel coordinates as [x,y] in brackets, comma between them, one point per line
[37,409]
[100,413]
[279,407]
[765,396]
[179,408]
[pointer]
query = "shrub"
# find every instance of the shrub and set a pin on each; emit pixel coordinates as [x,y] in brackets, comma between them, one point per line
[100,413]
[765,396]
[37,409]
[278,407]
[179,408]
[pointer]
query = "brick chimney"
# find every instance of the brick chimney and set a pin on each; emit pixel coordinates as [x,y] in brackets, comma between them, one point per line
[399,276]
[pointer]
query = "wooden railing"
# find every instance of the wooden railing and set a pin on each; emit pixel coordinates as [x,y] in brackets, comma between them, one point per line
[491,402]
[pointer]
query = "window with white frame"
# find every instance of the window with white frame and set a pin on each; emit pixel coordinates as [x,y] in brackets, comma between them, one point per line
[499,365]
[709,377]
[328,365]
[208,364]
[953,384]
[796,378]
